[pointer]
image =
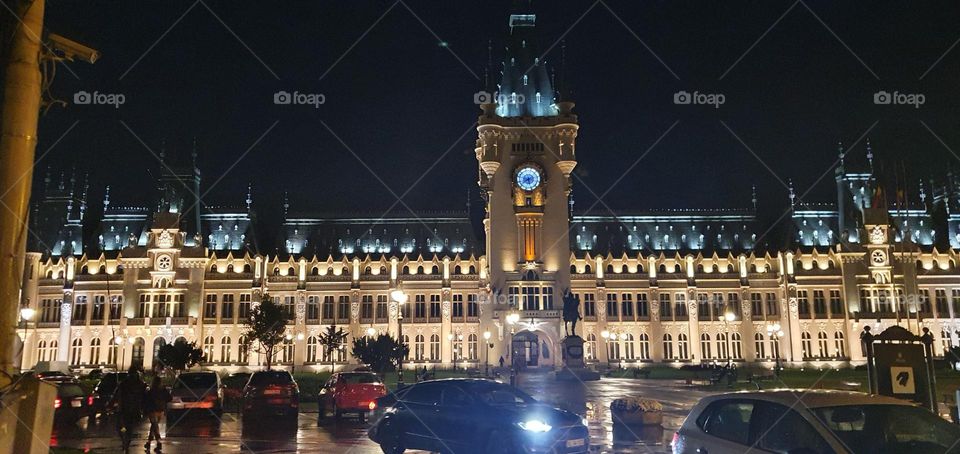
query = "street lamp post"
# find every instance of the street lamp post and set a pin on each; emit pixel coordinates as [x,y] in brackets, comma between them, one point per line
[775,333]
[400,298]
[26,314]
[486,353]
[728,317]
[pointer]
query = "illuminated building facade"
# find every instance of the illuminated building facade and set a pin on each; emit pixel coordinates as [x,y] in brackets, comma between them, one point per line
[673,286]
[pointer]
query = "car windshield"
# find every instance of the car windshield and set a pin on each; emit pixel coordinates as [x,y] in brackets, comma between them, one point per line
[889,428]
[354,379]
[270,378]
[69,390]
[196,381]
[501,395]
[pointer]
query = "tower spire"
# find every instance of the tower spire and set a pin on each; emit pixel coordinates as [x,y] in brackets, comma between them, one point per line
[753,197]
[249,196]
[793,195]
[870,155]
[841,152]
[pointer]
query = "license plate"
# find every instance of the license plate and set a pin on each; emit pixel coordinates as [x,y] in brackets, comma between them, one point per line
[76,404]
[271,392]
[575,443]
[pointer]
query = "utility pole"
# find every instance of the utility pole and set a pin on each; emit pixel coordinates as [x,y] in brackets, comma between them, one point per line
[18,141]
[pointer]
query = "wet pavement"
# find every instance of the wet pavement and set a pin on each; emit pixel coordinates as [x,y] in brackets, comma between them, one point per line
[208,434]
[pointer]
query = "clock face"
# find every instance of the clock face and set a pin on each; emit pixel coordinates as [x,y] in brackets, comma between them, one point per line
[164,263]
[528,178]
[879,258]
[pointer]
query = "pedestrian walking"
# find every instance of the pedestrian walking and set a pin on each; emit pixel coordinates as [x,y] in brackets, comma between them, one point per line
[129,399]
[154,404]
[501,362]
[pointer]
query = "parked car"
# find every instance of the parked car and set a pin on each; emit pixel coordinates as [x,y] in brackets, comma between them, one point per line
[474,415]
[386,401]
[271,393]
[350,392]
[71,403]
[103,393]
[233,387]
[196,390]
[51,374]
[812,421]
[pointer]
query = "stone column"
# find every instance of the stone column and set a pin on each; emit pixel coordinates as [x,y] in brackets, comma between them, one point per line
[446,327]
[746,327]
[66,312]
[693,325]
[656,331]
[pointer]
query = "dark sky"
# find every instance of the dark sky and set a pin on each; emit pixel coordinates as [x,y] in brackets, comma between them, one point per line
[400,100]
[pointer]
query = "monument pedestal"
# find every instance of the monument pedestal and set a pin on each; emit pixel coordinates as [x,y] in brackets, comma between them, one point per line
[574,367]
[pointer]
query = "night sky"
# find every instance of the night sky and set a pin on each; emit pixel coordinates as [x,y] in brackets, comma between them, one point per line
[400,98]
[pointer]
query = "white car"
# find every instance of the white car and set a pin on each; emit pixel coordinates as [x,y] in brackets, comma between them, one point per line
[812,422]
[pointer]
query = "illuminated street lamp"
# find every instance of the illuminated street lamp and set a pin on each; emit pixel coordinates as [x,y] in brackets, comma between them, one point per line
[775,333]
[400,298]
[371,332]
[26,314]
[728,316]
[486,353]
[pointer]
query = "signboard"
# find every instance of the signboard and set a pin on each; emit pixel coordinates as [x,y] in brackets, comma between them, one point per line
[901,371]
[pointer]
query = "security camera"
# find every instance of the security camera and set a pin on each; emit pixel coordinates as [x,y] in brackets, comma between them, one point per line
[72,49]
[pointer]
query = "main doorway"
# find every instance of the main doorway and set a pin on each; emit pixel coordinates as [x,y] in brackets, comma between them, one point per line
[525,351]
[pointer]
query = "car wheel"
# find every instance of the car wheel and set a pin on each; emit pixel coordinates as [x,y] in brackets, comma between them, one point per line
[501,443]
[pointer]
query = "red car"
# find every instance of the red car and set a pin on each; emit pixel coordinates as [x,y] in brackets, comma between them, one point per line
[349,392]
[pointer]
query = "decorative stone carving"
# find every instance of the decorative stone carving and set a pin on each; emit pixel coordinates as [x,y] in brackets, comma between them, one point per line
[355,311]
[655,310]
[393,310]
[446,310]
[794,307]
[745,308]
[301,309]
[692,308]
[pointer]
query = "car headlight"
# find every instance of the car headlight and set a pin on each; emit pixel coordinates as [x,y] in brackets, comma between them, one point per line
[535,425]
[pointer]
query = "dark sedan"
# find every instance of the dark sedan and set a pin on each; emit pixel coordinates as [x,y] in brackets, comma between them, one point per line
[71,402]
[472,415]
[269,394]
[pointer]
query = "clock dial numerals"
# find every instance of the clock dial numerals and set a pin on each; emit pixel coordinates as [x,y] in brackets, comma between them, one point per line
[528,178]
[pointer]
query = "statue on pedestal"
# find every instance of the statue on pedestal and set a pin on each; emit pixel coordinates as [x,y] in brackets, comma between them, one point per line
[571,313]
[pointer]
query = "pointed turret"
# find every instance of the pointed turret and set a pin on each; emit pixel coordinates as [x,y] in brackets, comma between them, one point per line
[525,89]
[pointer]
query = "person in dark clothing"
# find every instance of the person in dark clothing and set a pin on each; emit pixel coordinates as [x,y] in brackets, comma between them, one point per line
[154,404]
[501,362]
[129,397]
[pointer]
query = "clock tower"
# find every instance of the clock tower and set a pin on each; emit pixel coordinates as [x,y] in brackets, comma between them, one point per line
[526,150]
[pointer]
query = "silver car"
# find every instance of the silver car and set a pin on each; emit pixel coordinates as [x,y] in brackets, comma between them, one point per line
[814,421]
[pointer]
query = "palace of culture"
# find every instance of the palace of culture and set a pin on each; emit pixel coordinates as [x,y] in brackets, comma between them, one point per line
[669,287]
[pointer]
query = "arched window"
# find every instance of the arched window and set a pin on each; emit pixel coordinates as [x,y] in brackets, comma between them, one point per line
[208,349]
[312,349]
[613,349]
[628,347]
[823,346]
[157,343]
[406,342]
[472,347]
[225,347]
[683,349]
[735,346]
[52,350]
[590,347]
[76,352]
[841,350]
[434,347]
[137,352]
[774,347]
[243,350]
[644,346]
[95,351]
[418,348]
[287,352]
[42,350]
[722,346]
[705,346]
[667,346]
[112,356]
[806,345]
[458,347]
[758,345]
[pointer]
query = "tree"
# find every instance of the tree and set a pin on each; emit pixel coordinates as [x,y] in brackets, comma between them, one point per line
[266,327]
[179,356]
[382,353]
[332,339]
